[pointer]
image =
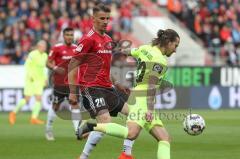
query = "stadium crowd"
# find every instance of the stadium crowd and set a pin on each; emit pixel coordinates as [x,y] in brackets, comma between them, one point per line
[216,22]
[24,22]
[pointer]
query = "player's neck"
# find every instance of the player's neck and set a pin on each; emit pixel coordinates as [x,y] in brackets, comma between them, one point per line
[162,49]
[68,44]
[98,31]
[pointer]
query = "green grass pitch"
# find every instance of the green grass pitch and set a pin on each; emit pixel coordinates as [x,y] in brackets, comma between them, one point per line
[220,140]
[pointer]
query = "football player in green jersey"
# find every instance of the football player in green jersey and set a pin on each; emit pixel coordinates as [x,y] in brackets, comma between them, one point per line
[152,65]
[35,80]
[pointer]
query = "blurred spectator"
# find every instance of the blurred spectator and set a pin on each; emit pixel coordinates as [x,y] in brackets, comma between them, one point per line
[126,16]
[86,23]
[3,20]
[2,44]
[23,23]
[216,22]
[236,34]
[33,20]
[23,9]
[175,7]
[12,18]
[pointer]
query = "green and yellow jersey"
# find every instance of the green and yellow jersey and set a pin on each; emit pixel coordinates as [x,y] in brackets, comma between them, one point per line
[36,66]
[151,62]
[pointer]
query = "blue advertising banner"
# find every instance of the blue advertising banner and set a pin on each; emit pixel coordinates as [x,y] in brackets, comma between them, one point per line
[212,97]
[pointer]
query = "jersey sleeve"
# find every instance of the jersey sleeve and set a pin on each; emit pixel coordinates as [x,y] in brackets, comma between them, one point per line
[84,45]
[135,52]
[155,69]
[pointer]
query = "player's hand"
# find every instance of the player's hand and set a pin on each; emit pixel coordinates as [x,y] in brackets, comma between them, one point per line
[149,116]
[126,51]
[72,99]
[59,70]
[122,88]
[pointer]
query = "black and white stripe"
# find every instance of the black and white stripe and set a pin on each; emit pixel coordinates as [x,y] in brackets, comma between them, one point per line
[89,99]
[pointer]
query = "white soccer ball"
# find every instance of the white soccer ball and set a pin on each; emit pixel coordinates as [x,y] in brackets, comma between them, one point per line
[194,124]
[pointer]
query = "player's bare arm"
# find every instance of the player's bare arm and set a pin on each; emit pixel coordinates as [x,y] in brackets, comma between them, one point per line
[72,74]
[52,66]
[151,92]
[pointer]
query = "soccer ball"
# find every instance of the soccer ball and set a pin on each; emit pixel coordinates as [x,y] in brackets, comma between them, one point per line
[194,124]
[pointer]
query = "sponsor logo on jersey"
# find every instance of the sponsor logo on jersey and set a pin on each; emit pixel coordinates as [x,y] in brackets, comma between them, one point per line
[104,51]
[66,57]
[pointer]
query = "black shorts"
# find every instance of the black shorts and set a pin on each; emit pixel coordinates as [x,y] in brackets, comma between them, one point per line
[96,99]
[60,93]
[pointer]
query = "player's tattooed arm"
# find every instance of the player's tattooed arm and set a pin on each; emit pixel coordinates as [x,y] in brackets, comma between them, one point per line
[151,93]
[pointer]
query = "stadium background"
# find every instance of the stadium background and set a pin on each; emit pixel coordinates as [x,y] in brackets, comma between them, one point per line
[205,71]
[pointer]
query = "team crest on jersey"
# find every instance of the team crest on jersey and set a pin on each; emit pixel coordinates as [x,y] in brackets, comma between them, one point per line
[79,48]
[158,68]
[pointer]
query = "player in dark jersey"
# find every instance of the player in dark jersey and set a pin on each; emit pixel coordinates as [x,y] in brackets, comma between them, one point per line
[92,66]
[58,61]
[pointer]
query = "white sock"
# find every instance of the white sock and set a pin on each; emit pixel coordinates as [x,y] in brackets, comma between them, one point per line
[127,146]
[93,138]
[50,118]
[76,118]
[83,156]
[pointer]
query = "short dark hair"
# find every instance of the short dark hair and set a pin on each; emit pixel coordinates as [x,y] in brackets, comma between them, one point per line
[101,7]
[164,37]
[67,30]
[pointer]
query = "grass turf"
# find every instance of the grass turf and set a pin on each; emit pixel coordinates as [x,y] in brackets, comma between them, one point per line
[220,140]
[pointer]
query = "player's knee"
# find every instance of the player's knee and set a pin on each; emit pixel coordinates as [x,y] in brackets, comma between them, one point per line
[27,98]
[165,138]
[104,118]
[132,134]
[38,98]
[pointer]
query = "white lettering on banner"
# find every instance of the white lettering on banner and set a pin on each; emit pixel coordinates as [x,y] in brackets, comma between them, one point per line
[1,101]
[166,100]
[236,77]
[225,77]
[230,76]
[10,97]
[234,97]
